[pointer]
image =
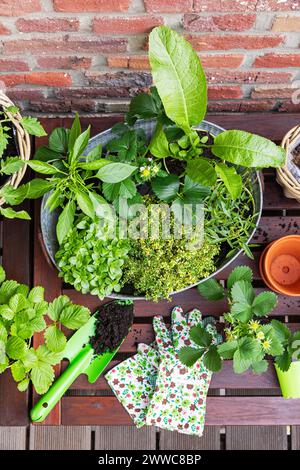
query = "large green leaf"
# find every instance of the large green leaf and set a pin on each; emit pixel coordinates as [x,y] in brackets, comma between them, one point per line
[211,290]
[200,336]
[248,352]
[249,150]
[115,172]
[188,356]
[240,273]
[166,188]
[178,76]
[201,171]
[231,179]
[212,359]
[65,221]
[264,303]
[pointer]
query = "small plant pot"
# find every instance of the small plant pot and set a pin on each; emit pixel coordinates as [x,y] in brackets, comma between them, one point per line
[289,381]
[280,265]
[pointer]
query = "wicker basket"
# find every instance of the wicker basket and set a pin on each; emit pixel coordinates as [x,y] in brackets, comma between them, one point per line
[23,142]
[291,186]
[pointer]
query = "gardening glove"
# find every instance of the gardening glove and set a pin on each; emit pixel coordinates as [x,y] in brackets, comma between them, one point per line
[133,382]
[179,400]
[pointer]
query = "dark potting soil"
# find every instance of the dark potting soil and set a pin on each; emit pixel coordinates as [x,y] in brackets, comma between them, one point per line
[296,155]
[114,321]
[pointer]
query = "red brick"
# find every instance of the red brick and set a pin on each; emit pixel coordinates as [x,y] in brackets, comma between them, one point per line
[65,45]
[50,106]
[118,61]
[48,78]
[4,29]
[20,94]
[168,6]
[141,62]
[138,62]
[247,77]
[214,42]
[230,61]
[13,65]
[119,84]
[70,62]
[233,22]
[103,91]
[126,25]
[47,25]
[91,5]
[269,92]
[244,106]
[11,80]
[272,60]
[18,7]
[224,92]
[245,5]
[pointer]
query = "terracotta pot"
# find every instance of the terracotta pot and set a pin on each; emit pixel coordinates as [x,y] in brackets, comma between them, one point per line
[280,265]
[289,381]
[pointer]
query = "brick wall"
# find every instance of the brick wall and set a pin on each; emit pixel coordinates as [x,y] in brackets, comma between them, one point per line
[58,56]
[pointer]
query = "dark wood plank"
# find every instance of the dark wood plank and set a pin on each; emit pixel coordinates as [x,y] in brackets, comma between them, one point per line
[125,438]
[174,441]
[17,263]
[225,379]
[256,438]
[273,125]
[271,228]
[60,438]
[221,411]
[274,198]
[46,276]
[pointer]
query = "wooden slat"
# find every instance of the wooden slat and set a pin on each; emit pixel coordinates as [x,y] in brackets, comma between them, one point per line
[46,276]
[274,198]
[256,438]
[60,438]
[271,228]
[16,261]
[221,411]
[175,441]
[295,437]
[13,438]
[125,438]
[225,379]
[273,127]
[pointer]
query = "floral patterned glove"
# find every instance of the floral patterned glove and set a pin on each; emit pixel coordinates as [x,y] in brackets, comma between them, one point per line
[133,382]
[179,400]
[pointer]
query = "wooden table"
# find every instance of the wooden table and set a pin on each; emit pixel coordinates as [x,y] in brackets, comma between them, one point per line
[234,399]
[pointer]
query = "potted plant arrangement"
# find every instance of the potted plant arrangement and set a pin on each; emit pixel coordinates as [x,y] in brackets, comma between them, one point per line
[23,313]
[163,153]
[15,149]
[247,337]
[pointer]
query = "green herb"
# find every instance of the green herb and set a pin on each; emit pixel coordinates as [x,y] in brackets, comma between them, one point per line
[91,259]
[247,339]
[22,313]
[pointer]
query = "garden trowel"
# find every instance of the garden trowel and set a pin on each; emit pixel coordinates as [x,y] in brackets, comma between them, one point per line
[83,360]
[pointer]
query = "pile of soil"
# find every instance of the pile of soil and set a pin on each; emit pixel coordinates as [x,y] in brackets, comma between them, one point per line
[296,155]
[113,323]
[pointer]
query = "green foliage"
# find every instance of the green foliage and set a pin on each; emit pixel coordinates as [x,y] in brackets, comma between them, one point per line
[247,339]
[91,258]
[22,313]
[157,267]
[204,340]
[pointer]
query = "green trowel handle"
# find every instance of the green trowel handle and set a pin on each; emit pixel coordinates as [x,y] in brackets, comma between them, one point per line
[61,385]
